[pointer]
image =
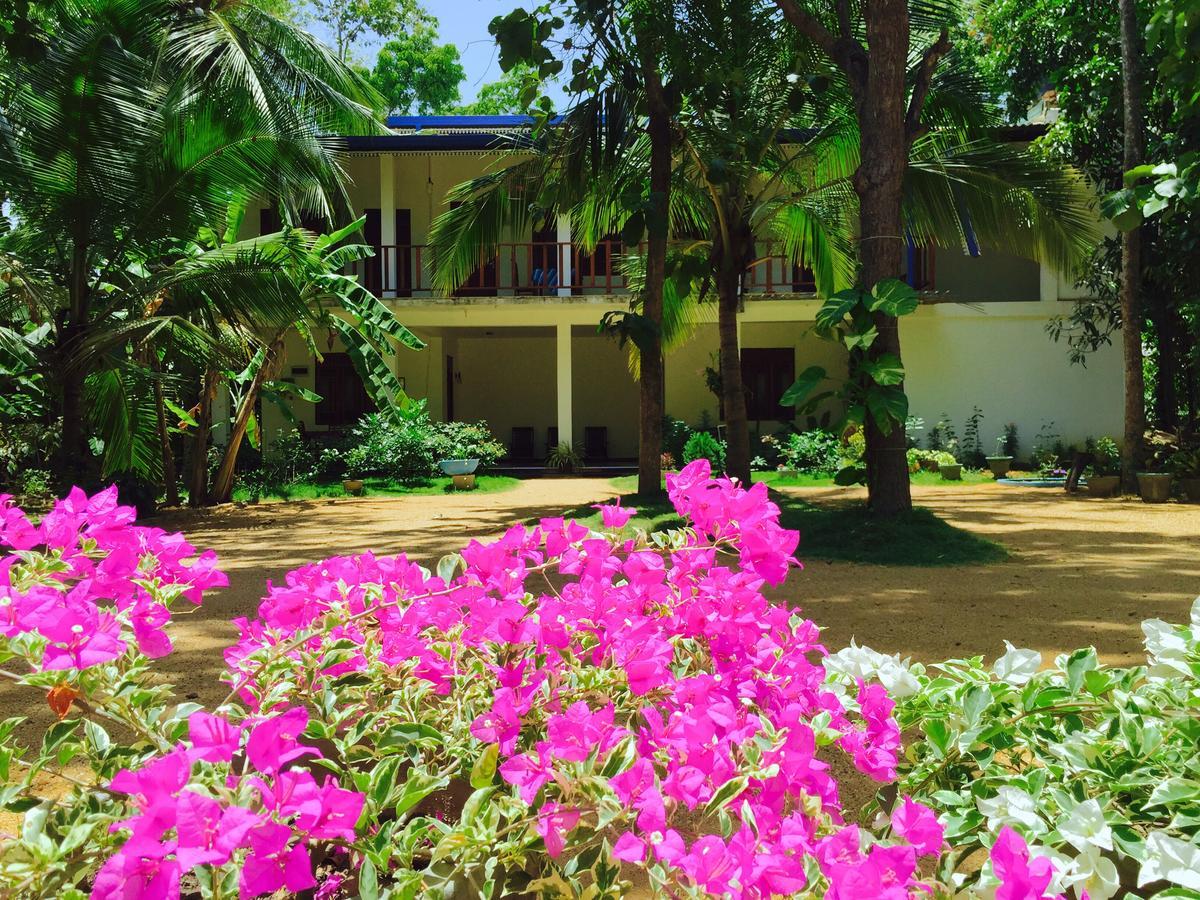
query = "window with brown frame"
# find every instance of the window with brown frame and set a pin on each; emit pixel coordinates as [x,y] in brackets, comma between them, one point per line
[766,373]
[344,400]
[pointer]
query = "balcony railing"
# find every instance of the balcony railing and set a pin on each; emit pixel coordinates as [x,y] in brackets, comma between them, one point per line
[553,269]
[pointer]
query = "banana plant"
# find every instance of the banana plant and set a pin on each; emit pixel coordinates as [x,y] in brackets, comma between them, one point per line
[874,383]
[333,300]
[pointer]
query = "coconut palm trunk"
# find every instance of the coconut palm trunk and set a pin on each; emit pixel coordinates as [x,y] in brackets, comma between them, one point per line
[170,475]
[198,464]
[651,381]
[733,394]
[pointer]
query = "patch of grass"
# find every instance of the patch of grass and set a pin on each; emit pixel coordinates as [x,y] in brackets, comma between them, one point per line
[806,479]
[383,487]
[841,531]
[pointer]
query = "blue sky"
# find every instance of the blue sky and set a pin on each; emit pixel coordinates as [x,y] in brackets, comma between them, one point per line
[464,23]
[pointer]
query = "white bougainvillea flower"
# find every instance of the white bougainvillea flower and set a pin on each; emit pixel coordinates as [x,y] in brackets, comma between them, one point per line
[856,663]
[1011,806]
[1096,875]
[1018,665]
[1166,649]
[1065,873]
[1170,859]
[1084,827]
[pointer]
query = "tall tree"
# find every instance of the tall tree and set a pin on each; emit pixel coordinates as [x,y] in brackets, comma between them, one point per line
[186,110]
[870,44]
[510,94]
[417,74]
[621,97]
[1134,155]
[348,22]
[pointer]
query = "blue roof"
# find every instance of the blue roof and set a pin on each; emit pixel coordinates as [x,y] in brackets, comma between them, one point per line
[458,121]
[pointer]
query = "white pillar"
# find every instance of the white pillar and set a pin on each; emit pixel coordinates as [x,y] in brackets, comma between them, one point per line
[564,272]
[387,222]
[562,347]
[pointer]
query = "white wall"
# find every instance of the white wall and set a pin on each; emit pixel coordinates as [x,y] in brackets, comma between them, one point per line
[1009,367]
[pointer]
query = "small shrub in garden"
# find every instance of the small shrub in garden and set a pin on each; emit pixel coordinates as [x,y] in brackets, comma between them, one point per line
[409,451]
[817,452]
[703,445]
[541,716]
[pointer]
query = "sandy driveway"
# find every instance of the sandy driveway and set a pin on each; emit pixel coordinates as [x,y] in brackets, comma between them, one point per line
[1083,571]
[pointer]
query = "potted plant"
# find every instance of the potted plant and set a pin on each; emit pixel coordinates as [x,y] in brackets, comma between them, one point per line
[1001,462]
[1105,475]
[949,467]
[461,472]
[1185,465]
[565,458]
[1154,485]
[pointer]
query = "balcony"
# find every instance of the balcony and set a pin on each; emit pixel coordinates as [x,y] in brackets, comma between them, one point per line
[553,269]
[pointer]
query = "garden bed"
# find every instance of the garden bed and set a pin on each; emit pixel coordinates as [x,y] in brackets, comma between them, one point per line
[484,484]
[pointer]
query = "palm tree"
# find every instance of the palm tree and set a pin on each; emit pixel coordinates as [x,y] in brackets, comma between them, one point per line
[139,125]
[624,102]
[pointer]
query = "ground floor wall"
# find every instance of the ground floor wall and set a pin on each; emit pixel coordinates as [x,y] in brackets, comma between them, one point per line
[1010,368]
[503,363]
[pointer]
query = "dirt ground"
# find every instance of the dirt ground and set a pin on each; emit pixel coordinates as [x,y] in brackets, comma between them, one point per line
[1082,572]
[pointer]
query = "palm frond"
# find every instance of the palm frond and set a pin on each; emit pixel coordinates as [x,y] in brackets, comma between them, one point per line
[1006,198]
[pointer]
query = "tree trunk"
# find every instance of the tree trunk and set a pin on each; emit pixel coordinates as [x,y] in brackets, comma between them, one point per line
[879,183]
[1131,251]
[651,384]
[198,474]
[170,476]
[733,394]
[222,486]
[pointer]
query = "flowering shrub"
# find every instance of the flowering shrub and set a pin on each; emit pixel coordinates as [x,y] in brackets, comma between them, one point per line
[554,713]
[1096,765]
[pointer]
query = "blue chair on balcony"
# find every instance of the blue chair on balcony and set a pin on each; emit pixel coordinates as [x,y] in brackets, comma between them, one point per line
[545,279]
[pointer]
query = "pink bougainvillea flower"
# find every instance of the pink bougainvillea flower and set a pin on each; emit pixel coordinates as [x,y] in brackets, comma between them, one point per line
[578,733]
[629,848]
[148,619]
[159,779]
[127,876]
[1021,878]
[527,773]
[918,825]
[325,812]
[554,823]
[16,531]
[614,515]
[273,864]
[274,742]
[79,635]
[213,738]
[207,833]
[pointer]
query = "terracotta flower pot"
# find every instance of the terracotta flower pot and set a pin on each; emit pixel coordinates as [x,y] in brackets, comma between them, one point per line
[353,486]
[1103,485]
[1155,487]
[999,465]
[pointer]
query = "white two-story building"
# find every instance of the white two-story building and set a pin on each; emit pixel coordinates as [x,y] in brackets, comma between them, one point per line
[518,345]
